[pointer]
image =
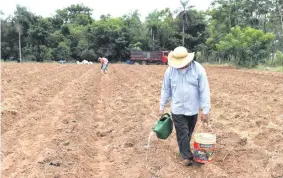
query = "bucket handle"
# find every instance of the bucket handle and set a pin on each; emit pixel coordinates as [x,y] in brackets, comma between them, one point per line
[206,126]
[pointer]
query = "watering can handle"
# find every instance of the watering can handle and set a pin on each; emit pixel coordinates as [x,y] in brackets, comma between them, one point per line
[165,114]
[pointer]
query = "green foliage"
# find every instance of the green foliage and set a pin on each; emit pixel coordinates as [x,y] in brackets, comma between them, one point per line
[72,34]
[268,68]
[278,58]
[244,32]
[88,55]
[109,37]
[249,46]
[62,51]
[46,53]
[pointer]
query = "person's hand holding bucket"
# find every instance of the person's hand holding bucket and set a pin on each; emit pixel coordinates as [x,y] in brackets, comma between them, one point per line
[204,118]
[204,142]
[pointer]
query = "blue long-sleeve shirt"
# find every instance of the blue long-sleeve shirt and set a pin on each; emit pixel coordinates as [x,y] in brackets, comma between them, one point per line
[187,89]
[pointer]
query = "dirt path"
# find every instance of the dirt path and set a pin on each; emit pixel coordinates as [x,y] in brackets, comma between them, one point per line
[72,121]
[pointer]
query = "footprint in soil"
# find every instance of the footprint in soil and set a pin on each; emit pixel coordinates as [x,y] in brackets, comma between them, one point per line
[65,121]
[127,129]
[277,171]
[46,160]
[103,133]
[55,163]
[128,144]
[52,163]
[243,141]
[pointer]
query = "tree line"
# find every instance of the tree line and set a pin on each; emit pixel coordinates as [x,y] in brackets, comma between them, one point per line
[243,32]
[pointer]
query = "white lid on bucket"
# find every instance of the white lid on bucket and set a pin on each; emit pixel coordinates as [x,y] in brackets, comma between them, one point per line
[205,138]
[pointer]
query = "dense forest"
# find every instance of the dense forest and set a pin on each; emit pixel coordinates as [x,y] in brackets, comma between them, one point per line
[243,32]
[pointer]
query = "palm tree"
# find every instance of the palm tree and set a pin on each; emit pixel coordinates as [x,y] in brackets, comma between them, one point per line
[1,13]
[22,16]
[279,6]
[183,13]
[19,29]
[153,24]
[19,18]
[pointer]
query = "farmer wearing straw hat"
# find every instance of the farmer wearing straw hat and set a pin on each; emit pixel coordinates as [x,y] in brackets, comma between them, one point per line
[185,84]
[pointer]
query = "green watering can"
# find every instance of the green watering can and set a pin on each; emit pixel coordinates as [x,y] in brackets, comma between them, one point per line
[163,127]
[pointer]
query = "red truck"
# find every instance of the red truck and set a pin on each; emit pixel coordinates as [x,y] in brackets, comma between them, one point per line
[145,57]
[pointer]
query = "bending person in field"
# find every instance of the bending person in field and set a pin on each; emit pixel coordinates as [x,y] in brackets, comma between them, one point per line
[185,84]
[104,64]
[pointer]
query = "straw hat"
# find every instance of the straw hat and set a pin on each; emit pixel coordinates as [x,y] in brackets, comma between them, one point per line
[180,57]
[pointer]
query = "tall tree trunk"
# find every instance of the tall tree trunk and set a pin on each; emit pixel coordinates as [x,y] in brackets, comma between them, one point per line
[19,29]
[0,38]
[39,53]
[153,41]
[151,32]
[256,14]
[264,24]
[183,31]
[20,48]
[152,36]
[280,13]
[230,11]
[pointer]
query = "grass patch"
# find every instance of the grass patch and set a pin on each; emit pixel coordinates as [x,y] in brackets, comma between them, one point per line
[258,67]
[221,64]
[268,68]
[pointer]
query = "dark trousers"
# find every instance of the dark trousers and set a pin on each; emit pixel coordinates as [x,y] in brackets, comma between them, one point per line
[184,126]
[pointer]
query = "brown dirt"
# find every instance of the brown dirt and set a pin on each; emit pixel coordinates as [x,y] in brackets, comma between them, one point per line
[71,121]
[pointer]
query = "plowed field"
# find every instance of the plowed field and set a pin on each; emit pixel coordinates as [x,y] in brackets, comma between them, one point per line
[69,120]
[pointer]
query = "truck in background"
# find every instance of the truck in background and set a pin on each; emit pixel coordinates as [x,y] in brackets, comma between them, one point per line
[146,57]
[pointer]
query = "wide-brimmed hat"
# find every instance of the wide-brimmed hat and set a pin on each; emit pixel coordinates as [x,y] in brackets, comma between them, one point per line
[180,57]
